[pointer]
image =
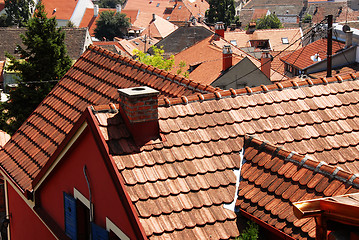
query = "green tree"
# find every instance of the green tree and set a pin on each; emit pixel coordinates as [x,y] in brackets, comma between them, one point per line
[110,3]
[44,61]
[156,59]
[268,22]
[18,11]
[111,24]
[221,11]
[250,233]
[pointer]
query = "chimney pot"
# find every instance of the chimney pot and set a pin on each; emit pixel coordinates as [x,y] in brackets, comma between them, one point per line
[348,39]
[153,17]
[227,57]
[139,109]
[219,29]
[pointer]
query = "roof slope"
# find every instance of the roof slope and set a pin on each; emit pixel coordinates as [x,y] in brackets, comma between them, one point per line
[209,57]
[301,58]
[273,179]
[180,182]
[75,39]
[93,80]
[274,36]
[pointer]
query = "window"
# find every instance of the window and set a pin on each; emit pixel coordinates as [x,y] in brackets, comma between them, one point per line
[285,40]
[157,5]
[234,42]
[168,18]
[179,7]
[77,218]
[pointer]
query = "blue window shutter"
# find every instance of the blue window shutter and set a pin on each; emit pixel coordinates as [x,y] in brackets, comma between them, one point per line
[70,216]
[98,233]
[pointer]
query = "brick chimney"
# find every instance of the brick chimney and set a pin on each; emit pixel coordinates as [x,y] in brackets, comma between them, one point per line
[219,29]
[266,60]
[139,109]
[226,57]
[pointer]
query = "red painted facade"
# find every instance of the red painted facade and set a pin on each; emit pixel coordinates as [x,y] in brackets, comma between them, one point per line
[67,175]
[24,224]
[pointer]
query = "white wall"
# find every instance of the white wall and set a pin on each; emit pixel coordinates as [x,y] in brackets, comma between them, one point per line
[80,11]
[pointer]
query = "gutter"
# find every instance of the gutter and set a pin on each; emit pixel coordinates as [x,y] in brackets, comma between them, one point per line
[268,227]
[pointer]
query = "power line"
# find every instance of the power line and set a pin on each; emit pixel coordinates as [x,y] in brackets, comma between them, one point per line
[256,69]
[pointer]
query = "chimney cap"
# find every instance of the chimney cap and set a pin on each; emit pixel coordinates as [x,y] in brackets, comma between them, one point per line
[219,25]
[137,92]
[227,49]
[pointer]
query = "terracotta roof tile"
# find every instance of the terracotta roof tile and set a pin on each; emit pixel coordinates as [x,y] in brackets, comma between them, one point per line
[64,8]
[301,58]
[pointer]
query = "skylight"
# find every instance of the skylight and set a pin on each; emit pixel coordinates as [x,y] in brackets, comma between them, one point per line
[157,5]
[179,7]
[234,42]
[285,40]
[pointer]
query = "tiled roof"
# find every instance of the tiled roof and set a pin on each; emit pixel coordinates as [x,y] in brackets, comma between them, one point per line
[274,36]
[261,3]
[259,13]
[155,6]
[143,43]
[179,183]
[89,20]
[2,65]
[178,190]
[208,53]
[64,8]
[311,117]
[112,46]
[197,8]
[178,13]
[159,28]
[75,40]
[320,10]
[94,79]
[351,68]
[301,58]
[272,179]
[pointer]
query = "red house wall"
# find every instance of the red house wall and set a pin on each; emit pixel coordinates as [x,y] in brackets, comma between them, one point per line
[24,224]
[68,174]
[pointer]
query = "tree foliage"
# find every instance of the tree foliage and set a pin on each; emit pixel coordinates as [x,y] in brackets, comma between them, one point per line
[110,3]
[156,59]
[268,22]
[250,233]
[111,24]
[44,61]
[221,11]
[18,11]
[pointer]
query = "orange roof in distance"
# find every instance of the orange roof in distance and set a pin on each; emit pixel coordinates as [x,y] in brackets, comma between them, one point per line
[61,9]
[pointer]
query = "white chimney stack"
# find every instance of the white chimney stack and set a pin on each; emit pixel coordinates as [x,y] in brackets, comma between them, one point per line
[95,10]
[118,8]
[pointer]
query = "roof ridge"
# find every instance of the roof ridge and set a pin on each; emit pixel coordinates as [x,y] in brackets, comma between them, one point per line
[180,80]
[306,162]
[260,89]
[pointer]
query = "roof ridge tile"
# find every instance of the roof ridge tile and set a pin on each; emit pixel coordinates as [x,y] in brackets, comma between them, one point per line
[264,88]
[304,161]
[156,71]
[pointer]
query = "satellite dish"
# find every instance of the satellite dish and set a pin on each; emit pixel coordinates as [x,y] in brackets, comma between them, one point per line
[346,28]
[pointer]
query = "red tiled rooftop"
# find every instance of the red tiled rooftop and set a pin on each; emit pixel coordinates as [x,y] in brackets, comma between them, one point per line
[273,179]
[64,8]
[155,6]
[301,58]
[174,182]
[94,79]
[208,53]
